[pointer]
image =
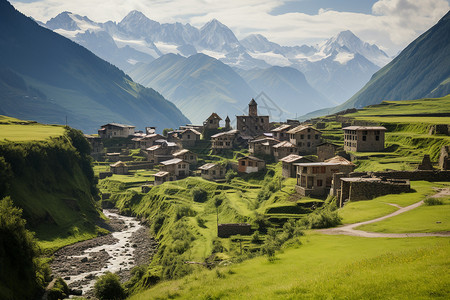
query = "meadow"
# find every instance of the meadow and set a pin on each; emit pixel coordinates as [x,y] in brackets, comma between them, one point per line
[16,130]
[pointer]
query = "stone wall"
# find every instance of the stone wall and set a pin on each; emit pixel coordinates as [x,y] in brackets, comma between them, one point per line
[444,158]
[427,175]
[366,190]
[227,230]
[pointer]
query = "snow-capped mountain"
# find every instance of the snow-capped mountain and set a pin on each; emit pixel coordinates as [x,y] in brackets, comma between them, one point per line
[347,42]
[139,39]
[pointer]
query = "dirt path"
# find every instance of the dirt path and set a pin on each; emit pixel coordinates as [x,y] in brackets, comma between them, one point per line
[349,229]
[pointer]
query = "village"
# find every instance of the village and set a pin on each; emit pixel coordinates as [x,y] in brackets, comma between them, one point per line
[319,166]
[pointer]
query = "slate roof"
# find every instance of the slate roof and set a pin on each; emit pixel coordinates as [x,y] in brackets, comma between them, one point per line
[207,166]
[364,128]
[119,125]
[284,144]
[301,128]
[161,174]
[173,161]
[291,158]
[282,127]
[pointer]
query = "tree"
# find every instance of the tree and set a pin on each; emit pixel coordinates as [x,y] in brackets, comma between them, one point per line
[108,287]
[218,200]
[166,130]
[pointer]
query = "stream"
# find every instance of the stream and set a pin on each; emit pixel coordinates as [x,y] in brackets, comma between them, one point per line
[129,245]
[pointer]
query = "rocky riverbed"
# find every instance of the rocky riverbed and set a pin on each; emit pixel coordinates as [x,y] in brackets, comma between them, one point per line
[129,245]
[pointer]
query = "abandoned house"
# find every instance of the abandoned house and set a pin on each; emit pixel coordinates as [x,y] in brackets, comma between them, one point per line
[189,137]
[280,133]
[186,155]
[163,176]
[363,138]
[305,138]
[316,178]
[119,168]
[284,149]
[252,125]
[326,150]
[224,140]
[212,171]
[147,140]
[360,188]
[161,152]
[250,164]
[213,122]
[177,167]
[114,130]
[262,146]
[289,169]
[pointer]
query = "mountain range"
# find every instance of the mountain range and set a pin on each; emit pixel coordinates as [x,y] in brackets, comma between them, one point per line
[49,78]
[421,70]
[336,68]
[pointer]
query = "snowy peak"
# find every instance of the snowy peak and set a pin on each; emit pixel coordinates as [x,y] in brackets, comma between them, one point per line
[348,42]
[62,21]
[259,43]
[137,24]
[216,36]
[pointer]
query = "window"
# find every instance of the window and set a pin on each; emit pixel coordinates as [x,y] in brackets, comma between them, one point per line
[210,121]
[377,138]
[189,136]
[262,120]
[309,144]
[242,162]
[192,157]
[317,136]
[364,138]
[309,136]
[302,136]
[214,172]
[309,129]
[319,182]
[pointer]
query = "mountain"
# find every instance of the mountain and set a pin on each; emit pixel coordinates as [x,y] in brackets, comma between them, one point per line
[421,70]
[46,77]
[287,88]
[198,85]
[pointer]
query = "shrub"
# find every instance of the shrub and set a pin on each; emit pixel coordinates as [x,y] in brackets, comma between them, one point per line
[108,287]
[199,195]
[230,175]
[433,201]
[217,246]
[60,290]
[256,239]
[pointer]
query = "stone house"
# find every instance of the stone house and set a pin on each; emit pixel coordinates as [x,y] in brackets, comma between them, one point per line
[213,122]
[316,178]
[186,155]
[289,170]
[161,152]
[163,176]
[250,164]
[262,146]
[147,140]
[280,133]
[306,138]
[176,167]
[119,168]
[189,137]
[96,146]
[284,149]
[252,125]
[326,150]
[364,138]
[224,140]
[212,171]
[113,130]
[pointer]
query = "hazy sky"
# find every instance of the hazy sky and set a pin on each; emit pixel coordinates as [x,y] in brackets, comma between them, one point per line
[391,24]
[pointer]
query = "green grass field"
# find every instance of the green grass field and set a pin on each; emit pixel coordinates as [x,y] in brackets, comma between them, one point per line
[326,267]
[30,132]
[422,219]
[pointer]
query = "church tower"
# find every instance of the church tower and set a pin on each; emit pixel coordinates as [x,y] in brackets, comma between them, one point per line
[253,108]
[227,123]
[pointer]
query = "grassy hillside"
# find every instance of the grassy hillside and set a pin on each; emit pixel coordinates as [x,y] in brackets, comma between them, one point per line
[50,179]
[326,267]
[408,137]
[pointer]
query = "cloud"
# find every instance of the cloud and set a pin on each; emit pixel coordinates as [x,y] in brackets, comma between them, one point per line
[392,24]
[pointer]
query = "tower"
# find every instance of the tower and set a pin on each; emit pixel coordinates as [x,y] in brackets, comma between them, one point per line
[253,108]
[227,123]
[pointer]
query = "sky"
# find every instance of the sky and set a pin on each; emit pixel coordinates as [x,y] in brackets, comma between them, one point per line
[390,24]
